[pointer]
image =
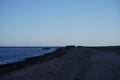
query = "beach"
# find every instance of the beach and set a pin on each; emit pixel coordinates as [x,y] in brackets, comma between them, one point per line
[69,63]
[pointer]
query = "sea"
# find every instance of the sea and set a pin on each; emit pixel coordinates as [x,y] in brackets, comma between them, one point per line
[16,54]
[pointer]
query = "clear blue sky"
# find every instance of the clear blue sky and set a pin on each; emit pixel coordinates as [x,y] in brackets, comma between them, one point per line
[59,22]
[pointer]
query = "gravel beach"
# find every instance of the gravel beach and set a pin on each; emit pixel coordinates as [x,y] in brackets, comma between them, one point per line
[79,63]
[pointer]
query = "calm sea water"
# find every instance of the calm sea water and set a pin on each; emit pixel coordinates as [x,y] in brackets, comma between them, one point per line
[14,54]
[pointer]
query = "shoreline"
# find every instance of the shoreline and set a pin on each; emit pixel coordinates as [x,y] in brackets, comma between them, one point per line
[6,68]
[69,63]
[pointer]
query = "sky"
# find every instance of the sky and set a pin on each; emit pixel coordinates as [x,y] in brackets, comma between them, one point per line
[59,22]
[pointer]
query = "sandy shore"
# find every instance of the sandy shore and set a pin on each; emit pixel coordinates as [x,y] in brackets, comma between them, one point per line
[78,63]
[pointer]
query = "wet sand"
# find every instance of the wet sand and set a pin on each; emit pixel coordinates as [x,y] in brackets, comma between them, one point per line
[79,63]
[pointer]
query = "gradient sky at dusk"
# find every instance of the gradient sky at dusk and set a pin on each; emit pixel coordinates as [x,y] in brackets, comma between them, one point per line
[59,22]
